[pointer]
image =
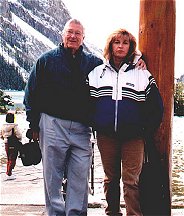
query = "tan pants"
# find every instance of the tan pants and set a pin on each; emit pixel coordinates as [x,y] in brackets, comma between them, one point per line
[129,155]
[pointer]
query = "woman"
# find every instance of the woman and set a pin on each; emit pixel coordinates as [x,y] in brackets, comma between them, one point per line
[127,106]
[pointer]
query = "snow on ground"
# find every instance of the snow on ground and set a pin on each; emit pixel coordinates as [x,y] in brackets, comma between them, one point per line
[177,157]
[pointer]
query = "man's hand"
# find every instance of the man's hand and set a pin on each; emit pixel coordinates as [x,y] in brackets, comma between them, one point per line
[31,134]
[141,64]
[35,135]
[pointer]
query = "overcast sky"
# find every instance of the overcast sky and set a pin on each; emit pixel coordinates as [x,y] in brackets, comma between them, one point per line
[101,17]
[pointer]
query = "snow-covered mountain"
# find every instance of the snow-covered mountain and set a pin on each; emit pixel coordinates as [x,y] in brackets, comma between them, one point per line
[29,28]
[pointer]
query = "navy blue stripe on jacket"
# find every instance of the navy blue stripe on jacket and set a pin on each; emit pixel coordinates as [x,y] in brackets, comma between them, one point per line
[126,103]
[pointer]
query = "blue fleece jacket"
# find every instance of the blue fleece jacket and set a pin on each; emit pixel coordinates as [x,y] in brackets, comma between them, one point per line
[57,86]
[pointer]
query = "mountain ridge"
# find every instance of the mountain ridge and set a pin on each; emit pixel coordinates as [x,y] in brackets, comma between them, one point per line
[28,29]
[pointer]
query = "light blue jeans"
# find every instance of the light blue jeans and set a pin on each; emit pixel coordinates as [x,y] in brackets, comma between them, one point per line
[57,136]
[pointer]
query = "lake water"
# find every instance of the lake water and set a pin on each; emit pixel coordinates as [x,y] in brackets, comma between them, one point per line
[177,149]
[17,98]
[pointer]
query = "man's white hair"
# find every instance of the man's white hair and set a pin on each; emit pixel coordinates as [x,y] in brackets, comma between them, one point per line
[73,20]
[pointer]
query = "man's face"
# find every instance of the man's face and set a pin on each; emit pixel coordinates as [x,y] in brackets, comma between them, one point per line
[73,37]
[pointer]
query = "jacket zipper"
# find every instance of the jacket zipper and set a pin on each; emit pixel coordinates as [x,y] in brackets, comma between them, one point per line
[116,105]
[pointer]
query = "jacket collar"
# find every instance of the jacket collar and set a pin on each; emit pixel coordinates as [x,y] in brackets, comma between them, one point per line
[125,66]
[61,49]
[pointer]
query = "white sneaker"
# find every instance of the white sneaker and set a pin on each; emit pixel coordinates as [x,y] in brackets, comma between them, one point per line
[7,178]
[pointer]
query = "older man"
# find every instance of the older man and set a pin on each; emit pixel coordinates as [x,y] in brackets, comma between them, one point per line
[58,106]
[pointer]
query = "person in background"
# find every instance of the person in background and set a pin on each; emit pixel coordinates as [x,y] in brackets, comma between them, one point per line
[12,152]
[127,106]
[58,107]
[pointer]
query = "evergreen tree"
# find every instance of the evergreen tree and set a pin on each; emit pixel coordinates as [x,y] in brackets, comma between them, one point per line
[179,99]
[5,101]
[10,77]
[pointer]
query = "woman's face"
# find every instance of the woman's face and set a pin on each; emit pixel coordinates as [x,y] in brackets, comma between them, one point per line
[120,46]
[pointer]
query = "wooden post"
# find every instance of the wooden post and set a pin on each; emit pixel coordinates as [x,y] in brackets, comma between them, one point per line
[157,43]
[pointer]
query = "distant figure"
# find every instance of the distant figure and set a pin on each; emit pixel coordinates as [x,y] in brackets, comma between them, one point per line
[12,152]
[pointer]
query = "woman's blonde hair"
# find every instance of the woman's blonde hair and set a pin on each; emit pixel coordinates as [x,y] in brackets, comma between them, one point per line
[112,37]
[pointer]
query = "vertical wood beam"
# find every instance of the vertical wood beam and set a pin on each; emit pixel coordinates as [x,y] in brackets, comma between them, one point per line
[157,42]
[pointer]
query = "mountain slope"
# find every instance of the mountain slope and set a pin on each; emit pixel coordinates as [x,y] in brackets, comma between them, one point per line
[28,28]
